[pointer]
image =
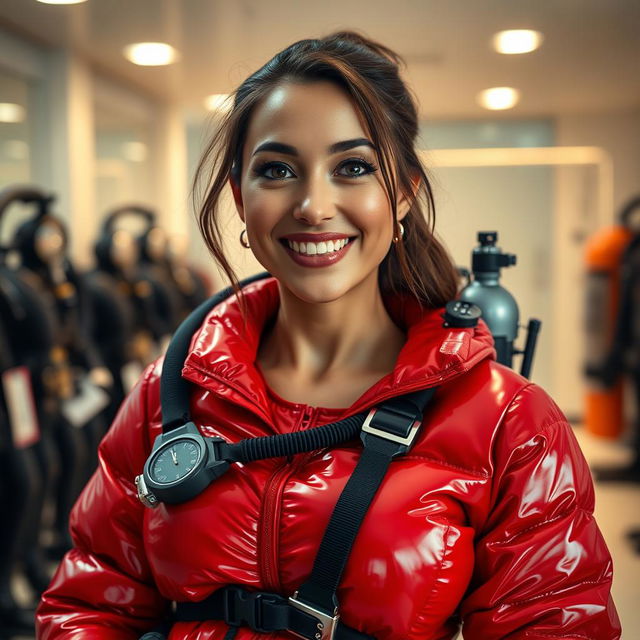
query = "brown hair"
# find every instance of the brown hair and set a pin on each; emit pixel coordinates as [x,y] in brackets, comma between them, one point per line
[369,73]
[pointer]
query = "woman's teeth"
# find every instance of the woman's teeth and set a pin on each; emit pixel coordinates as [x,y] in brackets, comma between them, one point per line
[317,248]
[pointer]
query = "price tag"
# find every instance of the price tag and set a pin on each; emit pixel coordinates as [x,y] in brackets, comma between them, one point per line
[18,394]
[86,404]
[130,373]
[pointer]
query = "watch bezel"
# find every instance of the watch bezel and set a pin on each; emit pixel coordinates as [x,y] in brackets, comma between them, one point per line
[156,484]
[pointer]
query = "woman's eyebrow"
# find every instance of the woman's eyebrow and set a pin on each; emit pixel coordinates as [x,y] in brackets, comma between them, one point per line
[287,149]
[345,145]
[278,147]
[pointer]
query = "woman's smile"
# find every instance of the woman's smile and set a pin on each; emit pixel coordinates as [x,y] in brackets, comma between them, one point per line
[317,249]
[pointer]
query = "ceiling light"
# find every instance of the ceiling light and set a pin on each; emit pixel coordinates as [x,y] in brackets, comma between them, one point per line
[517,41]
[498,98]
[11,112]
[150,54]
[218,102]
[61,1]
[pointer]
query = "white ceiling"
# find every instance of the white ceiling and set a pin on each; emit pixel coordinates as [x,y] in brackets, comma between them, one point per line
[589,62]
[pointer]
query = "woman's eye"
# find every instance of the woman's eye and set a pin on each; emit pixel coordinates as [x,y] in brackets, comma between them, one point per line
[275,171]
[355,168]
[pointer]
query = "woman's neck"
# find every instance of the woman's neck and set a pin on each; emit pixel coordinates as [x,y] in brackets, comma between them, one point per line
[323,341]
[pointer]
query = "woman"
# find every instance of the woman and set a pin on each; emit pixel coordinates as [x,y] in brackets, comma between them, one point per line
[487,520]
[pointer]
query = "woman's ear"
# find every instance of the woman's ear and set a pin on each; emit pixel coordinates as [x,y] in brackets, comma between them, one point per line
[404,202]
[237,196]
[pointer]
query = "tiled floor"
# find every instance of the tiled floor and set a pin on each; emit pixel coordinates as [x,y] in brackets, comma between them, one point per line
[617,511]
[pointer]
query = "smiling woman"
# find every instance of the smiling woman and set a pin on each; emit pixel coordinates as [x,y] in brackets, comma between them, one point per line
[474,513]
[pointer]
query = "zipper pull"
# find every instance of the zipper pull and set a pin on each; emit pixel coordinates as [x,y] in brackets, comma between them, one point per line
[306,417]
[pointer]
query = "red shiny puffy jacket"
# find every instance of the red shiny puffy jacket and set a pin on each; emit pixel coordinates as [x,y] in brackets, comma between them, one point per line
[488,521]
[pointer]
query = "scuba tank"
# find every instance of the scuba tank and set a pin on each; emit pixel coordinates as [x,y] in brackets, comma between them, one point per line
[498,306]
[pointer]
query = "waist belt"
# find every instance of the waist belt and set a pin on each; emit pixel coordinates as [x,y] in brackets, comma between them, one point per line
[265,613]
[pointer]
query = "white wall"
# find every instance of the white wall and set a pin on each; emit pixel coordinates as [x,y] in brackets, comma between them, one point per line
[619,135]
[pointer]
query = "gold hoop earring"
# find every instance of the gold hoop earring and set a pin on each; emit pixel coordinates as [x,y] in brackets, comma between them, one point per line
[400,233]
[244,240]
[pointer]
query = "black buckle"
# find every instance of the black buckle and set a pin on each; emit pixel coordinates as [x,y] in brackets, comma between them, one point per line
[245,607]
[396,426]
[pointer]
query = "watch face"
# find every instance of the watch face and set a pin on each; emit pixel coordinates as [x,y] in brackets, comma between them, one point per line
[175,460]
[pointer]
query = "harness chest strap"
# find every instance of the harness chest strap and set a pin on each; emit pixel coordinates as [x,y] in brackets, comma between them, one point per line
[312,612]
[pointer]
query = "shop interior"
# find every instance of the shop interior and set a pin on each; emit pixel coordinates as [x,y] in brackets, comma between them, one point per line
[530,128]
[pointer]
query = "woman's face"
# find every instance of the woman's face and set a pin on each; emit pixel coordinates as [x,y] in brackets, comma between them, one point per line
[311,195]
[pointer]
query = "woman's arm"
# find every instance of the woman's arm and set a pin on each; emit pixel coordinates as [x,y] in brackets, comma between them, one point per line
[542,568]
[103,589]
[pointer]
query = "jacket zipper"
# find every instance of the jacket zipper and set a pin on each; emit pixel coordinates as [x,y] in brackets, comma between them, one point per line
[271,509]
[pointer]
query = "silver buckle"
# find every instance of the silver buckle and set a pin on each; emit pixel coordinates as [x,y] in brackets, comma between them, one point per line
[326,624]
[145,496]
[390,436]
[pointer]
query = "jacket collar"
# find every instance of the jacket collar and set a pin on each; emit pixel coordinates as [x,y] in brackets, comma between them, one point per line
[223,351]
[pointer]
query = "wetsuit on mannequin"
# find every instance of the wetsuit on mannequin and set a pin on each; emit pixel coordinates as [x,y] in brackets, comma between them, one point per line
[35,463]
[127,325]
[42,243]
[19,488]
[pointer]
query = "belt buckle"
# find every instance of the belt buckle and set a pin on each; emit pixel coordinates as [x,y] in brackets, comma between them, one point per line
[326,626]
[405,441]
[244,607]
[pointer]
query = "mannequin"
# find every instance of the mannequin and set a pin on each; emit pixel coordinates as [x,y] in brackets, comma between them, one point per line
[20,487]
[31,327]
[42,244]
[153,244]
[191,285]
[128,326]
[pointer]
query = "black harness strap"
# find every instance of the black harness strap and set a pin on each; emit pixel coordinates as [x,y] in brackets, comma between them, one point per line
[312,612]
[387,433]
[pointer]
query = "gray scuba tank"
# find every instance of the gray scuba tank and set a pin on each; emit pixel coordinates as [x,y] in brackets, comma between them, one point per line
[498,306]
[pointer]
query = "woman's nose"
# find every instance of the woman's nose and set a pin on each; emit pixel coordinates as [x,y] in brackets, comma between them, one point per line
[316,202]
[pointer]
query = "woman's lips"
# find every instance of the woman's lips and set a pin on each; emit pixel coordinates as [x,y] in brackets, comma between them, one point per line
[318,259]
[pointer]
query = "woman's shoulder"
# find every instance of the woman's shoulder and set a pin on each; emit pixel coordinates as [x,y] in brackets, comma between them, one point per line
[497,402]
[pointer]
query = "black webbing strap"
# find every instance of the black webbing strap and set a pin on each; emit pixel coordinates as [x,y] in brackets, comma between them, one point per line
[174,389]
[397,418]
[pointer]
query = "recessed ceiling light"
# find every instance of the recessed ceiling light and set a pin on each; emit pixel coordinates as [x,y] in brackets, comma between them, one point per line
[498,98]
[517,41]
[11,112]
[150,54]
[62,1]
[218,102]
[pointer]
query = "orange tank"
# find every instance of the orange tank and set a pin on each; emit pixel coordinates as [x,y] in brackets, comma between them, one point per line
[604,250]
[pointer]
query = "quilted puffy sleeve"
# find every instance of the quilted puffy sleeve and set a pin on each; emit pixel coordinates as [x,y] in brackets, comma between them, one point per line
[542,568]
[103,588]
